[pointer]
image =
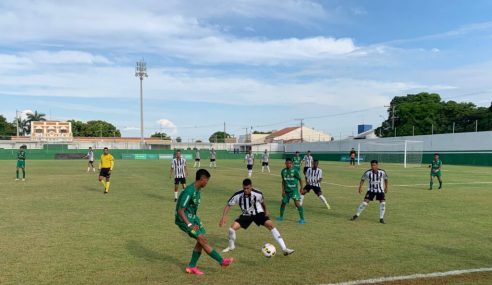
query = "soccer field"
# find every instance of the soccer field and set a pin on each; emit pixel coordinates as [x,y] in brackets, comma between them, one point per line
[58,227]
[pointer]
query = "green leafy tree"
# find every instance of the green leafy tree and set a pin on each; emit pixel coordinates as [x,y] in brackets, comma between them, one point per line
[6,128]
[163,136]
[423,113]
[218,137]
[261,133]
[100,128]
[78,128]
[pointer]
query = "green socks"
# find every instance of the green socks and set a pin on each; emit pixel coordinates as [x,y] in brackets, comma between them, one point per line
[194,258]
[282,211]
[17,174]
[215,255]
[301,212]
[430,184]
[23,174]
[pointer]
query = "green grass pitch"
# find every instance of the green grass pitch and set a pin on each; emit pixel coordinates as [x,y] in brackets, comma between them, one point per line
[58,227]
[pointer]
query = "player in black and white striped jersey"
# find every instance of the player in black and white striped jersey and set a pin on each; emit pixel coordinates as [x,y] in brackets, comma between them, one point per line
[377,187]
[264,161]
[307,161]
[253,209]
[314,175]
[250,160]
[178,168]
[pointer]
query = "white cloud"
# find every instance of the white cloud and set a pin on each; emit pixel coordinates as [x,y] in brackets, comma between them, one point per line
[65,57]
[168,125]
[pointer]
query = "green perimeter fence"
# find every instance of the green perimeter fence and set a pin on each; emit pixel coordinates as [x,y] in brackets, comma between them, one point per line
[479,158]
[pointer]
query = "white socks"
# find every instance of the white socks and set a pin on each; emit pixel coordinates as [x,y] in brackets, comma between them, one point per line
[361,208]
[232,238]
[323,199]
[175,195]
[382,209]
[250,172]
[268,167]
[302,200]
[278,238]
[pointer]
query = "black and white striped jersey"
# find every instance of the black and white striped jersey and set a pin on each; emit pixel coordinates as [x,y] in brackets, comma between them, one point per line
[249,158]
[250,205]
[197,154]
[178,166]
[308,161]
[375,180]
[265,157]
[314,176]
[213,155]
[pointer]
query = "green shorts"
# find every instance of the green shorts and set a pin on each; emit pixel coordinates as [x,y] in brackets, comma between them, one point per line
[21,164]
[194,234]
[298,168]
[434,174]
[294,195]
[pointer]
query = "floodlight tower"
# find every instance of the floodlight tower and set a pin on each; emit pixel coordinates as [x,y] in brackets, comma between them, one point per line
[141,72]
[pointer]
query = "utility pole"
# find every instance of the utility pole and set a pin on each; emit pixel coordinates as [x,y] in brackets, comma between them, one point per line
[224,132]
[302,124]
[17,121]
[393,117]
[141,72]
[476,126]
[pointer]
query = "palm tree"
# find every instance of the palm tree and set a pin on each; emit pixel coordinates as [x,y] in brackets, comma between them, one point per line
[33,117]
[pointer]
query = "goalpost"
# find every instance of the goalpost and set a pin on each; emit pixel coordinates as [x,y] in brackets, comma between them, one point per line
[406,152]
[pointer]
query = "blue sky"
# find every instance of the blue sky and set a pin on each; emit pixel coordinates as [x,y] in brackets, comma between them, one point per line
[252,63]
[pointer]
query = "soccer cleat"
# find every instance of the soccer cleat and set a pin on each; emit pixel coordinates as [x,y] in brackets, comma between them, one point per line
[105,192]
[288,251]
[16,179]
[227,249]
[227,261]
[354,218]
[279,218]
[23,179]
[301,222]
[175,200]
[193,270]
[328,206]
[382,221]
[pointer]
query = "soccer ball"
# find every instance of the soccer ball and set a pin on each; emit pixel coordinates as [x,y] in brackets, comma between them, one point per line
[268,250]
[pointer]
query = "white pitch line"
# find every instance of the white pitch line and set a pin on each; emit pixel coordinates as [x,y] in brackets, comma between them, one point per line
[413,276]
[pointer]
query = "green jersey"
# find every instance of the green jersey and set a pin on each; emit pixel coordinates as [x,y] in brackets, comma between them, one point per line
[21,155]
[436,165]
[189,199]
[291,178]
[296,160]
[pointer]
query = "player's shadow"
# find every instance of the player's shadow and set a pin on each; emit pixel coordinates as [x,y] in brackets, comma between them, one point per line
[139,251]
[93,189]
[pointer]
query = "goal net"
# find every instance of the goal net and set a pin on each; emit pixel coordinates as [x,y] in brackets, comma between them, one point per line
[408,153]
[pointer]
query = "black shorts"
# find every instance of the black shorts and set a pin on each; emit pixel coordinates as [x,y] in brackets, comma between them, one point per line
[315,189]
[264,164]
[250,166]
[105,172]
[212,159]
[91,161]
[379,196]
[178,181]
[259,219]
[197,159]
[305,170]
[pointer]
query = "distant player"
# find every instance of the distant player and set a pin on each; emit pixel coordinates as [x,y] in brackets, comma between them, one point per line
[250,160]
[435,167]
[264,161]
[178,167]
[213,158]
[291,178]
[253,209]
[352,156]
[307,161]
[314,175]
[90,160]
[188,221]
[197,158]
[21,164]
[297,161]
[377,187]
[106,165]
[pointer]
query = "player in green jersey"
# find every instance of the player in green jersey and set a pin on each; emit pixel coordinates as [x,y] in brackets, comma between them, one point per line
[291,178]
[435,167]
[187,221]
[296,160]
[21,163]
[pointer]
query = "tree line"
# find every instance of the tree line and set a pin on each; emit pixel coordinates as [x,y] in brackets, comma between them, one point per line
[426,113]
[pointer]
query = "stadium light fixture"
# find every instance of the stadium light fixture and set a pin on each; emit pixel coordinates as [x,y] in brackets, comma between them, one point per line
[141,72]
